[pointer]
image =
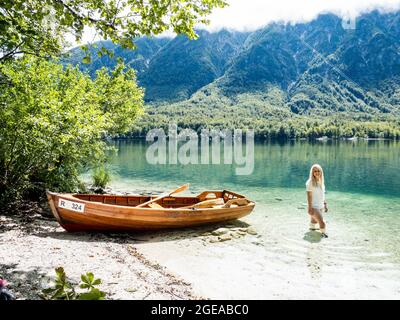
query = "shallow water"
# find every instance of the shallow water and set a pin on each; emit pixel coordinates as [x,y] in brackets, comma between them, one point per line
[361,257]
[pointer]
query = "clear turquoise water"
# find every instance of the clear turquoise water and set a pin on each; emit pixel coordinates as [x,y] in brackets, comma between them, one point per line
[363,194]
[365,168]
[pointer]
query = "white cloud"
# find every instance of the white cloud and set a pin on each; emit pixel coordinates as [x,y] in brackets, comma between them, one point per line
[89,36]
[252,14]
[248,15]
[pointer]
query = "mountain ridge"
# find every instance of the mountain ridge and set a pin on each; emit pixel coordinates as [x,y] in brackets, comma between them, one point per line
[314,69]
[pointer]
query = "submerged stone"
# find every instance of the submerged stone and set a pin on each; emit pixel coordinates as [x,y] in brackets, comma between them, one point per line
[251,230]
[214,240]
[225,237]
[220,231]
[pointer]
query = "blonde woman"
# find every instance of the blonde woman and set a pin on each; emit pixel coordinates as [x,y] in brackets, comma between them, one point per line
[315,187]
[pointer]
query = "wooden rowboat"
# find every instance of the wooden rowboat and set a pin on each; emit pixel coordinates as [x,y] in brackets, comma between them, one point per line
[85,212]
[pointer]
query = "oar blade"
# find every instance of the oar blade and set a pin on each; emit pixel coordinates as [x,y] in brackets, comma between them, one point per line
[181,188]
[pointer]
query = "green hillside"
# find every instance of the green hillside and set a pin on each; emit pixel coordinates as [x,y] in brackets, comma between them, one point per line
[287,81]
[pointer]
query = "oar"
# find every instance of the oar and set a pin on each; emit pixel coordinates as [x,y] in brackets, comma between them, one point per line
[180,189]
[206,204]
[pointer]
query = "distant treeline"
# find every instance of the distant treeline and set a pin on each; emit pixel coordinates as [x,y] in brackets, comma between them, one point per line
[288,129]
[279,126]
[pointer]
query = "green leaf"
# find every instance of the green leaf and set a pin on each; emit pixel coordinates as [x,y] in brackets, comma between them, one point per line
[48,291]
[85,286]
[94,294]
[60,274]
[90,277]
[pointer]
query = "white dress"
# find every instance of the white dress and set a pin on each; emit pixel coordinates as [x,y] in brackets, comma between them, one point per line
[318,195]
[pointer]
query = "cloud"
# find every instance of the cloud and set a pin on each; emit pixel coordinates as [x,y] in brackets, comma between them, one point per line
[248,15]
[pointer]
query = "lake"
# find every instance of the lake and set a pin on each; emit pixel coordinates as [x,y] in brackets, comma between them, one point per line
[362,181]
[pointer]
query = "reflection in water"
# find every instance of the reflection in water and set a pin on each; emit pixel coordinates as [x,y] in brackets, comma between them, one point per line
[368,167]
[313,236]
[314,255]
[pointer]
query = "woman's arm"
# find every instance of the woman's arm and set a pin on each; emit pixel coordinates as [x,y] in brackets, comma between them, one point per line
[309,201]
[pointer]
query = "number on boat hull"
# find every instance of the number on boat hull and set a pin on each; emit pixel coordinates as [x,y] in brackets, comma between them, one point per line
[74,206]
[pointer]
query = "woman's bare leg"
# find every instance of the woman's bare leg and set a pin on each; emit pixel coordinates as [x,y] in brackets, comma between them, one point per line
[317,215]
[313,221]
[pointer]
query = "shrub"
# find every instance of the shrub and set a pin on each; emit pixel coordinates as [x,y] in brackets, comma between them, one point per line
[101,177]
[53,121]
[63,289]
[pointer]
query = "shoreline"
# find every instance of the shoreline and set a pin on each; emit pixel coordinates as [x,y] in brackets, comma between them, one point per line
[273,140]
[32,247]
[33,244]
[261,256]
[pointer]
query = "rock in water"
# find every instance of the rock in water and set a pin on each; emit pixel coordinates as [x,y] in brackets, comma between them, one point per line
[236,235]
[251,230]
[214,240]
[220,231]
[225,237]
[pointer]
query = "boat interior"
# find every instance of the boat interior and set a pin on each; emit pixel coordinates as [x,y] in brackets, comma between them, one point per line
[206,199]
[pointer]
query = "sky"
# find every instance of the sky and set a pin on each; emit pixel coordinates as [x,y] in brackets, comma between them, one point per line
[249,15]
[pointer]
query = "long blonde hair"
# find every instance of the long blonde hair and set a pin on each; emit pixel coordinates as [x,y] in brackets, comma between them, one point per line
[315,182]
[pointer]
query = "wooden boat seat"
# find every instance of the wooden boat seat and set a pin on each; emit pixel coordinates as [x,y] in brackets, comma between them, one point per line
[155,206]
[206,199]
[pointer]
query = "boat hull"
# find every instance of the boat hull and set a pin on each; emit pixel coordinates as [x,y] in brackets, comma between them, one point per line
[75,214]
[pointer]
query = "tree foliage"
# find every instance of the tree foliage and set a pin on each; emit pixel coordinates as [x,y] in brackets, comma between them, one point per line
[53,121]
[39,26]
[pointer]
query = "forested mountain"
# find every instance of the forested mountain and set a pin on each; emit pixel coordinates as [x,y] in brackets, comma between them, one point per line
[281,71]
[138,59]
[182,66]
